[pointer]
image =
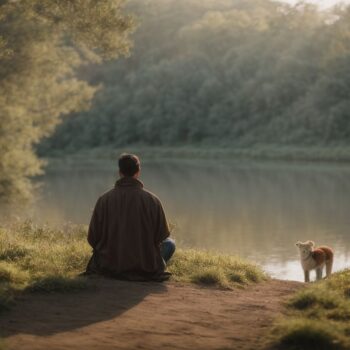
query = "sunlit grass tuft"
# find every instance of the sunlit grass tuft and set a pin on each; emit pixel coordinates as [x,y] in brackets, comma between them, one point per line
[318,317]
[45,259]
[207,268]
[10,273]
[41,259]
[304,334]
[315,297]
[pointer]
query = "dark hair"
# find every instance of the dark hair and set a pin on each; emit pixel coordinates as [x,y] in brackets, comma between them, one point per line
[129,164]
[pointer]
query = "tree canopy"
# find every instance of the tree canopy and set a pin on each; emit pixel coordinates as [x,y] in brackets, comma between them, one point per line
[226,72]
[42,43]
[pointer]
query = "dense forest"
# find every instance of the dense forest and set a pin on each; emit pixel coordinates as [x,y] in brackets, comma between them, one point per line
[224,72]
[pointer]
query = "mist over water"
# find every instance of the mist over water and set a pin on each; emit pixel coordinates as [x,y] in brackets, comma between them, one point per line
[255,210]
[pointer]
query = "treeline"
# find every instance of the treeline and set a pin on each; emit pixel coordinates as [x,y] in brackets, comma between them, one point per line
[222,72]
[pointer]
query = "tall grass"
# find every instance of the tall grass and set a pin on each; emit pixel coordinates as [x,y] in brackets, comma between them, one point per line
[41,258]
[214,269]
[45,259]
[318,317]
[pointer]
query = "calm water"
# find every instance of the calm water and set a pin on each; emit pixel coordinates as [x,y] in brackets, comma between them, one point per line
[257,211]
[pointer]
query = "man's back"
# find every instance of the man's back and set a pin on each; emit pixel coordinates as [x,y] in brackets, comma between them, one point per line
[126,230]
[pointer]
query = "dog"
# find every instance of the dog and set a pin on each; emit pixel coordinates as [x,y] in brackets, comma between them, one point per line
[315,259]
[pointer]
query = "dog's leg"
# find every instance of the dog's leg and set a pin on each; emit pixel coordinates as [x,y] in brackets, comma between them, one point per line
[329,266]
[307,276]
[319,273]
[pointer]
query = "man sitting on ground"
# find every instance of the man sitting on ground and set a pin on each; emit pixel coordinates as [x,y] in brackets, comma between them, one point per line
[128,231]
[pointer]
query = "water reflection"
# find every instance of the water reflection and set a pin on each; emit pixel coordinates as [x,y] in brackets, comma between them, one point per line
[254,210]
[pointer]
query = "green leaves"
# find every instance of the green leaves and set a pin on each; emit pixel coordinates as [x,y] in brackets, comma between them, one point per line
[223,73]
[46,42]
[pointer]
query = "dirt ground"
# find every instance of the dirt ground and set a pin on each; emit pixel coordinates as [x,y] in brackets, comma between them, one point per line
[133,315]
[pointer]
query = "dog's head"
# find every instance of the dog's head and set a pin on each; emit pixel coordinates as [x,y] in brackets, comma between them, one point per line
[305,248]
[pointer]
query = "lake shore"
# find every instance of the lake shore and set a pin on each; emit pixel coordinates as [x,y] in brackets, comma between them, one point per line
[135,315]
[212,301]
[327,154]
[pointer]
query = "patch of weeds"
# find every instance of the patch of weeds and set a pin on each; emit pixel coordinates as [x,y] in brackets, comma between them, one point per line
[304,334]
[312,297]
[54,284]
[210,276]
[10,273]
[208,268]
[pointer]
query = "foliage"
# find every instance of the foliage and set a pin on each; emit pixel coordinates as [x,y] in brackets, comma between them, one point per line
[42,43]
[224,73]
[318,316]
[45,259]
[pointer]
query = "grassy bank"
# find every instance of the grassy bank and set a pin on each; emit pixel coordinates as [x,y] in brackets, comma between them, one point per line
[45,259]
[317,317]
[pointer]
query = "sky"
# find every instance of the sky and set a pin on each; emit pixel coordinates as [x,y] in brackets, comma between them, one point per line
[322,3]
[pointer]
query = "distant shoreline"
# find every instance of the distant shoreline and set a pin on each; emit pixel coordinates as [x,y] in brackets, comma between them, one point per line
[332,154]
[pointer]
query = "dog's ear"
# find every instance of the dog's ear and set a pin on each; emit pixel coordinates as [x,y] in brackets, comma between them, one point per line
[298,244]
[311,243]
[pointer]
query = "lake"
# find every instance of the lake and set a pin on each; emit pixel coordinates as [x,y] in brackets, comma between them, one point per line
[251,209]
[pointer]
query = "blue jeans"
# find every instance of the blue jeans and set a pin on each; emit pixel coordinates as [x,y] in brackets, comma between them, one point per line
[167,249]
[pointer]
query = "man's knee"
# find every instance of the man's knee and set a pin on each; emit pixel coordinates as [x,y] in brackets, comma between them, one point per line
[170,243]
[168,248]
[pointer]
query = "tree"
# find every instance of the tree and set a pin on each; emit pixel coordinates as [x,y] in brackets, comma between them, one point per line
[231,73]
[42,43]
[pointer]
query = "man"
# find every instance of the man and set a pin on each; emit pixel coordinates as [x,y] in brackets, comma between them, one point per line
[128,231]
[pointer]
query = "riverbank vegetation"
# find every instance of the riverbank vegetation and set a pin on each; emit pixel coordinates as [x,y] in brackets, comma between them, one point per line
[42,44]
[45,259]
[317,317]
[237,74]
[86,156]
[258,76]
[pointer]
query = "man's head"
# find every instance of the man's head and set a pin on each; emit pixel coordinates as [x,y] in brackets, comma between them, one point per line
[129,165]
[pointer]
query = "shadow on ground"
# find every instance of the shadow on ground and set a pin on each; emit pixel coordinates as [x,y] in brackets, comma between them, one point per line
[47,314]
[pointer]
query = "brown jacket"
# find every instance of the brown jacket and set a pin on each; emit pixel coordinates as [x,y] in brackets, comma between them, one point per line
[126,229]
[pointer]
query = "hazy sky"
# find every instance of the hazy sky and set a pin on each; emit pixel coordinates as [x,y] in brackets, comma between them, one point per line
[323,3]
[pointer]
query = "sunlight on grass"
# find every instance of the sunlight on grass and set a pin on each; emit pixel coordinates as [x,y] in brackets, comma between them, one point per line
[207,268]
[44,259]
[41,259]
[317,317]
[301,333]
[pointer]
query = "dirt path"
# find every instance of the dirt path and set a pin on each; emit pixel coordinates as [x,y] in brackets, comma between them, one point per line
[123,315]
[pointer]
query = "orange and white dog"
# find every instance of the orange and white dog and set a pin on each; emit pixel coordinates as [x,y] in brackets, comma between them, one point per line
[315,259]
